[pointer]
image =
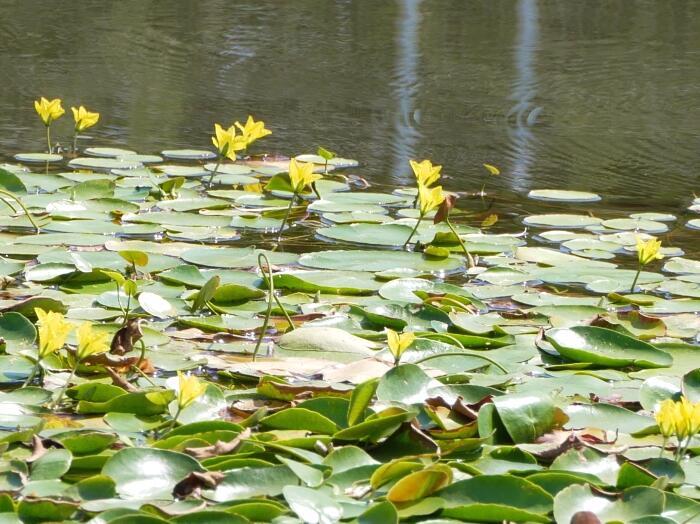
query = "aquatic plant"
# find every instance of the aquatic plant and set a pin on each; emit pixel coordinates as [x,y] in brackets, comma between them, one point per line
[507,368]
[49,111]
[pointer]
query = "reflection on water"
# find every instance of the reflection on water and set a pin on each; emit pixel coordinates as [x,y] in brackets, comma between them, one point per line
[602,94]
[406,84]
[523,115]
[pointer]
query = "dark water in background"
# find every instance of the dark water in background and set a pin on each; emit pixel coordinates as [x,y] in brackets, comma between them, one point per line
[592,95]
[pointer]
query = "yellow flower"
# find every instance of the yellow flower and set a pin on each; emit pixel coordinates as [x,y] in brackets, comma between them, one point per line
[84,118]
[426,173]
[665,418]
[53,331]
[399,342]
[301,175]
[49,110]
[190,388]
[429,198]
[695,419]
[227,142]
[90,341]
[648,251]
[253,130]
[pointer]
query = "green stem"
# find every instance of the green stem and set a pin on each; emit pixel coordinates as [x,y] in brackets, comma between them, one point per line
[26,211]
[48,138]
[268,281]
[31,376]
[447,300]
[286,216]
[128,307]
[57,402]
[636,277]
[174,420]
[470,259]
[75,142]
[216,168]
[420,218]
[270,295]
[470,354]
[443,335]
[142,355]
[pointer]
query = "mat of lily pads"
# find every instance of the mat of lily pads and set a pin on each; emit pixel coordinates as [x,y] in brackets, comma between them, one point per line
[469,375]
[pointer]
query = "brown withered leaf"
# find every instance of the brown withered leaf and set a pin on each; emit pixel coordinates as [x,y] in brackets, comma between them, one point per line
[193,483]
[219,448]
[443,211]
[125,338]
[39,447]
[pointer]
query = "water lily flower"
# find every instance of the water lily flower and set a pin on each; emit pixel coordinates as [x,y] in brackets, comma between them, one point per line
[84,118]
[301,175]
[399,342]
[53,331]
[227,142]
[666,418]
[680,419]
[647,252]
[190,388]
[429,198]
[253,130]
[48,110]
[426,173]
[91,341]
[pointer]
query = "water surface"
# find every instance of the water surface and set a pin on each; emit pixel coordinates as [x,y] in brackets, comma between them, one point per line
[595,95]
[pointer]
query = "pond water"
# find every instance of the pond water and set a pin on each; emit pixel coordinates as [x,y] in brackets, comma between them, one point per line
[598,95]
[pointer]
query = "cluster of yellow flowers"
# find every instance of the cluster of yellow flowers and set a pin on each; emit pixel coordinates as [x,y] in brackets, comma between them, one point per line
[680,419]
[50,110]
[228,141]
[54,330]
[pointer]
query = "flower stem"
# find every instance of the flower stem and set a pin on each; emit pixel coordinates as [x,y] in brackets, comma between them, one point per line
[33,373]
[75,142]
[270,295]
[213,173]
[174,420]
[286,216]
[57,402]
[19,202]
[420,218]
[636,277]
[470,259]
[48,138]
